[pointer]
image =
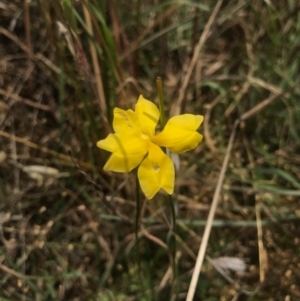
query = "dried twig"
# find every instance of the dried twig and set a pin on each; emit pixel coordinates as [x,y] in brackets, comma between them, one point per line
[177,105]
[215,200]
[96,66]
[26,101]
[42,148]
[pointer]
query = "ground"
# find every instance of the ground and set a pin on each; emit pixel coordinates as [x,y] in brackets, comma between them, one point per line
[68,228]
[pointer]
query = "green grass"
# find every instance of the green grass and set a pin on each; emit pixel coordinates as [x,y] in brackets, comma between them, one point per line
[73,238]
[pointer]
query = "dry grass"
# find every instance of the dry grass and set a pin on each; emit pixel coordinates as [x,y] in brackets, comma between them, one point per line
[67,228]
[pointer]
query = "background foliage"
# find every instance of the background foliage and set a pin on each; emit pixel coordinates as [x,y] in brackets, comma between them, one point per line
[66,227]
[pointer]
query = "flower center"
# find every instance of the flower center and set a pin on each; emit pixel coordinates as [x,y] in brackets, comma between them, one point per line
[156,167]
[145,137]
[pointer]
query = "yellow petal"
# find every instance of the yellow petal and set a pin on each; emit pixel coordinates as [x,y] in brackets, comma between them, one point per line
[148,115]
[179,134]
[126,122]
[110,143]
[156,172]
[127,151]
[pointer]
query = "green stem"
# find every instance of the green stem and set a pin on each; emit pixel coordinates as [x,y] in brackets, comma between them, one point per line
[137,186]
[162,122]
[172,244]
[173,225]
[161,102]
[173,216]
[174,247]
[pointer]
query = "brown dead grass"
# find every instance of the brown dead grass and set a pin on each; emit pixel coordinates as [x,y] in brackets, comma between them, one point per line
[69,235]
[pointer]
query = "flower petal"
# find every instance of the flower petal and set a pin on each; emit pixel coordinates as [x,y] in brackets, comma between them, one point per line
[156,172]
[126,122]
[127,151]
[179,134]
[110,143]
[148,115]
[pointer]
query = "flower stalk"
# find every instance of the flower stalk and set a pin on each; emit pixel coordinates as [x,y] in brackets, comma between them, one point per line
[135,143]
[137,220]
[161,102]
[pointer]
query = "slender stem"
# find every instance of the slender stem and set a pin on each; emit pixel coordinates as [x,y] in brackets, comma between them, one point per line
[161,102]
[173,216]
[174,247]
[173,234]
[137,186]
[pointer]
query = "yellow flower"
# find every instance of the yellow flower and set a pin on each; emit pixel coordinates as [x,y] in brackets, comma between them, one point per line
[135,143]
